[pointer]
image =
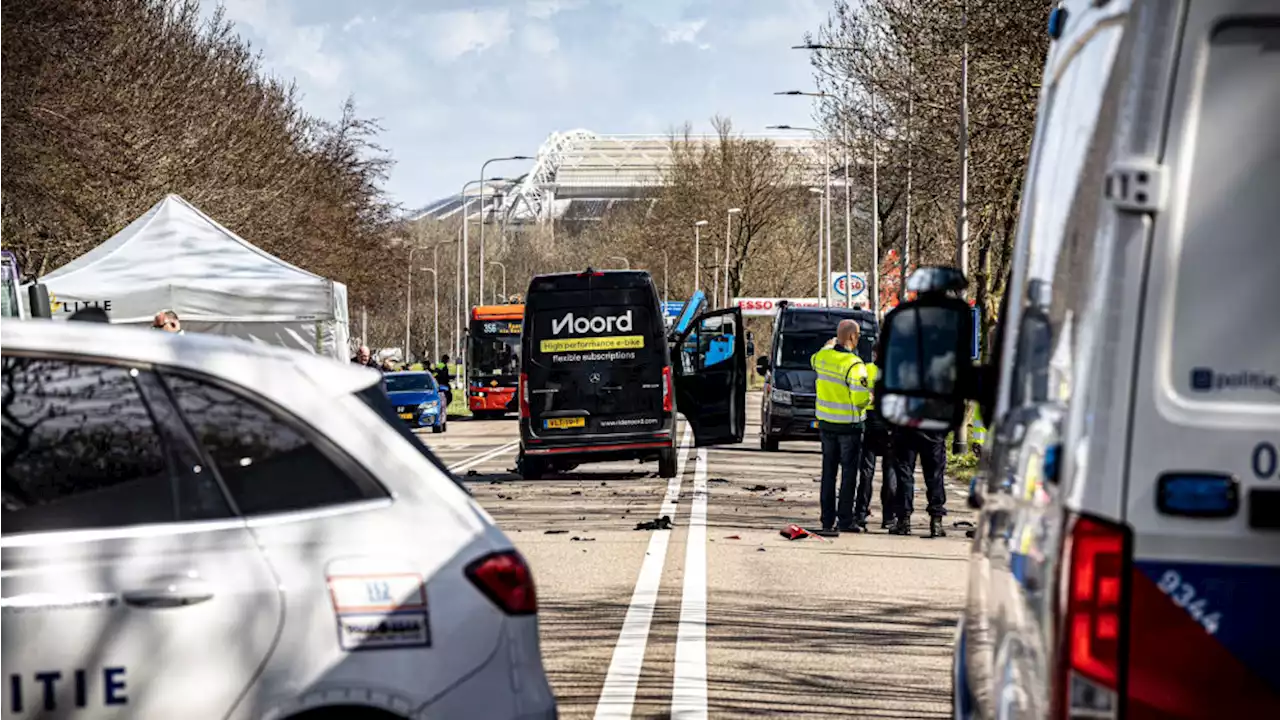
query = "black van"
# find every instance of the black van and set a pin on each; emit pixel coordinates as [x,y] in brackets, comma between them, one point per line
[596,379]
[790,390]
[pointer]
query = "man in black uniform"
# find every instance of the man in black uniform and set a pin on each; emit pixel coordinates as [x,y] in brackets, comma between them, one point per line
[878,441]
[931,446]
[443,379]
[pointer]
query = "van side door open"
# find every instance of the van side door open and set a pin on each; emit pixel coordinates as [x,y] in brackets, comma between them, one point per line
[709,362]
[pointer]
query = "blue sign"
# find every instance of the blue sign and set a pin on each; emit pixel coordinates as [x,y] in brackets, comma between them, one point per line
[671,308]
[977,326]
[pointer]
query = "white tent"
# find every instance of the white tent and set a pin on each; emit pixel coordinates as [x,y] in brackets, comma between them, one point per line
[177,258]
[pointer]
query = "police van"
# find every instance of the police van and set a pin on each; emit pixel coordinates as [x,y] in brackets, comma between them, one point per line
[597,382]
[1127,559]
[787,410]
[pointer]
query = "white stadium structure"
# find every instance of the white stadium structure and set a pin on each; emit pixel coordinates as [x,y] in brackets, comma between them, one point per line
[578,175]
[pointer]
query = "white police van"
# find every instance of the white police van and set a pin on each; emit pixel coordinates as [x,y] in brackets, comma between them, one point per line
[200,527]
[1127,559]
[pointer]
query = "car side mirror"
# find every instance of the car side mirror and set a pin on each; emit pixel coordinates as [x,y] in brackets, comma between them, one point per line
[762,365]
[38,301]
[926,364]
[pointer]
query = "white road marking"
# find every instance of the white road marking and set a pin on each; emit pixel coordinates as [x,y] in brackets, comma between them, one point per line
[689,686]
[477,459]
[618,696]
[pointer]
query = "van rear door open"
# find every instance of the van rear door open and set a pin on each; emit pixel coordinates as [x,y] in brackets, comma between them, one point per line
[711,377]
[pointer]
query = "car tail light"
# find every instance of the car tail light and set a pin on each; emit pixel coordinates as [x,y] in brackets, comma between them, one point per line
[505,579]
[524,396]
[668,397]
[1095,558]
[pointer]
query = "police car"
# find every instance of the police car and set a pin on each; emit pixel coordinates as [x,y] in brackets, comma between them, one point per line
[200,527]
[1127,559]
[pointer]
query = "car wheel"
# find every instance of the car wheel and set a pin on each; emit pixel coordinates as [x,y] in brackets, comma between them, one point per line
[531,468]
[438,428]
[768,444]
[667,463]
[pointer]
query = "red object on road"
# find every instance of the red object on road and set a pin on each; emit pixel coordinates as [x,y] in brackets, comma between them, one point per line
[794,532]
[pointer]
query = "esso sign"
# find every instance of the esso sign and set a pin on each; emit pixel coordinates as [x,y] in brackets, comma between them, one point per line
[769,306]
[853,285]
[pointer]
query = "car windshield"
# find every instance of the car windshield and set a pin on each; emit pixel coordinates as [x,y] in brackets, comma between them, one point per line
[795,349]
[410,383]
[493,356]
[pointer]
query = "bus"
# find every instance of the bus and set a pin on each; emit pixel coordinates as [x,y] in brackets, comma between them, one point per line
[493,359]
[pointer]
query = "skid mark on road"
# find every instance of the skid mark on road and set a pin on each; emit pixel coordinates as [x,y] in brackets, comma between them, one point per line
[482,457]
[689,686]
[618,696]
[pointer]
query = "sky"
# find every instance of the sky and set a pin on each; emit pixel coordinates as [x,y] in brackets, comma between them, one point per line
[456,82]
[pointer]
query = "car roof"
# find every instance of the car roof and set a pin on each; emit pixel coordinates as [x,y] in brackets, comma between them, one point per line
[238,361]
[398,373]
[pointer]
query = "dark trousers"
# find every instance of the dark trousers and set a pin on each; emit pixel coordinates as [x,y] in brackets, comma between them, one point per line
[842,451]
[877,441]
[931,446]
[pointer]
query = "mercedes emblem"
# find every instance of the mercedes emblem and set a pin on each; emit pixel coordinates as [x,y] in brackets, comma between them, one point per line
[595,377]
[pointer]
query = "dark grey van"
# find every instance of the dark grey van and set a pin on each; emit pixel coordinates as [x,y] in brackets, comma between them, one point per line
[787,412]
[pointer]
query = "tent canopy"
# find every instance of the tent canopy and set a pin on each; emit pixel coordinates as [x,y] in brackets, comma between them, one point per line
[175,257]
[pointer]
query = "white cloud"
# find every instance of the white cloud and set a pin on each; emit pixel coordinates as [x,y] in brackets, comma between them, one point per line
[304,52]
[683,32]
[355,22]
[454,34]
[544,9]
[540,39]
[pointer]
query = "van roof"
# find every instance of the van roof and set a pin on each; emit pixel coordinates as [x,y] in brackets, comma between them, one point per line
[860,314]
[591,279]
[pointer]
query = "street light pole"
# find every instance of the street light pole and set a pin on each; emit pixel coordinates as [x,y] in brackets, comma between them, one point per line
[482,168]
[824,214]
[435,288]
[822,282]
[626,264]
[697,250]
[665,271]
[728,225]
[408,301]
[504,279]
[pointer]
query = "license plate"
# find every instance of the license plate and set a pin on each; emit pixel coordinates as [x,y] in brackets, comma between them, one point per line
[561,423]
[406,416]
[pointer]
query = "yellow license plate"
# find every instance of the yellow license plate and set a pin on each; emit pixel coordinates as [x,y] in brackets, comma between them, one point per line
[406,416]
[561,423]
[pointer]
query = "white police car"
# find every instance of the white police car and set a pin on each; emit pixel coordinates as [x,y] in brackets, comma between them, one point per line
[199,527]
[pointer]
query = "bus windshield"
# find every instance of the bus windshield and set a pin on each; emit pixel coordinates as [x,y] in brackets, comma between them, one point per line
[495,349]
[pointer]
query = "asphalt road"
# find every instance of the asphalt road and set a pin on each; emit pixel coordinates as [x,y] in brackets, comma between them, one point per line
[721,616]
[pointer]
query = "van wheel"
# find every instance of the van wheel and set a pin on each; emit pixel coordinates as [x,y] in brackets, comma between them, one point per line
[768,444]
[531,468]
[667,463]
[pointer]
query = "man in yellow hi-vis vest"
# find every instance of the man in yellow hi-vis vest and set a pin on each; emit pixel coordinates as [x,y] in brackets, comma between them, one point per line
[843,396]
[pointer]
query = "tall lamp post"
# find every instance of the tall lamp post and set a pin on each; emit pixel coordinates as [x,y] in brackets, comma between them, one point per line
[728,226]
[875,187]
[482,213]
[822,278]
[824,245]
[435,289]
[408,300]
[504,278]
[626,264]
[666,265]
[466,241]
[697,250]
[848,201]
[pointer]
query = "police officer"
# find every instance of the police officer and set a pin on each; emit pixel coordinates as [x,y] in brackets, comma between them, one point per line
[878,441]
[843,396]
[444,379]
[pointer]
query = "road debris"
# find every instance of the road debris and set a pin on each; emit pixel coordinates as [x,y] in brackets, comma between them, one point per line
[662,523]
[554,532]
[576,492]
[575,538]
[756,488]
[473,472]
[733,537]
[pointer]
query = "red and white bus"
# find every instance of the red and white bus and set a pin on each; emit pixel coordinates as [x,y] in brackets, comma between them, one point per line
[493,359]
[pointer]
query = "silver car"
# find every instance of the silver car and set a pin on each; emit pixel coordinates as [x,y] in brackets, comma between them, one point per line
[201,527]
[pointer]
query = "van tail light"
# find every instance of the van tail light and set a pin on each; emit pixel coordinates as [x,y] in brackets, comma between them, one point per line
[505,579]
[1096,558]
[668,397]
[524,396]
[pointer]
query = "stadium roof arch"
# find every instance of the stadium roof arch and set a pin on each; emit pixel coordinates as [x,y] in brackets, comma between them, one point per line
[578,176]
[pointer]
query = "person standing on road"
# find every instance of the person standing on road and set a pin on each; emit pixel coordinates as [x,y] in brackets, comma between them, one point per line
[843,396]
[878,441]
[443,379]
[931,446]
[364,357]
